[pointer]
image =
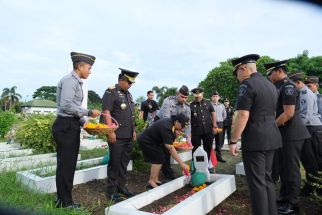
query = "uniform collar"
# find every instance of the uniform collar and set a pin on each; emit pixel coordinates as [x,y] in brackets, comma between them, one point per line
[304,88]
[279,83]
[119,88]
[74,74]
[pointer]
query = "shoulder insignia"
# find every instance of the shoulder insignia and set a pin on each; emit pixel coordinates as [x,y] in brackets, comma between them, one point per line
[304,92]
[111,87]
[242,89]
[289,90]
[172,97]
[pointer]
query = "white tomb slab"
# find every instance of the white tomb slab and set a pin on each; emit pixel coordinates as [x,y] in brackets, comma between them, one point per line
[29,161]
[48,184]
[240,169]
[15,153]
[199,203]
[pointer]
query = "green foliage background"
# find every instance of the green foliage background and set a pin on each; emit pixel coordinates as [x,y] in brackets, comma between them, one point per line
[35,132]
[7,119]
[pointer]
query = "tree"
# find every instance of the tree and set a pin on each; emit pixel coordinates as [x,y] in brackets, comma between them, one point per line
[45,92]
[93,97]
[9,97]
[222,79]
[163,93]
[139,100]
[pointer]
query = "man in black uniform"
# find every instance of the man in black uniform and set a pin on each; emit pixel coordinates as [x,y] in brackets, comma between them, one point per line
[66,128]
[293,133]
[228,120]
[203,121]
[118,103]
[255,121]
[149,108]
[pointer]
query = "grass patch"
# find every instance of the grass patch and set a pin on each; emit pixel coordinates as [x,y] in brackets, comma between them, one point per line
[52,171]
[93,153]
[13,194]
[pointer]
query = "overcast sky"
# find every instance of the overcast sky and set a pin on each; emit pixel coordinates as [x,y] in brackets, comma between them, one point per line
[170,42]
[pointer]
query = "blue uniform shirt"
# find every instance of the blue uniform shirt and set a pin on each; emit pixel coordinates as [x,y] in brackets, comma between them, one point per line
[171,107]
[309,108]
[70,96]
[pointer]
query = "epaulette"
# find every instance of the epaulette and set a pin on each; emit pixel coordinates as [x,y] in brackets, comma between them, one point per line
[110,88]
[172,97]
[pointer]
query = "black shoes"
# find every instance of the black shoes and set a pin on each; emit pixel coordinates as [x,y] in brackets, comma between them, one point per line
[287,208]
[124,191]
[220,159]
[60,204]
[115,197]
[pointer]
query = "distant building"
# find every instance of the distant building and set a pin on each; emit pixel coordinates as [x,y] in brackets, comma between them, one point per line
[38,106]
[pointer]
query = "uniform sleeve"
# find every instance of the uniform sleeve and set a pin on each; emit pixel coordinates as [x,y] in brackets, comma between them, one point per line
[244,98]
[68,92]
[108,100]
[187,130]
[165,109]
[211,108]
[224,113]
[289,94]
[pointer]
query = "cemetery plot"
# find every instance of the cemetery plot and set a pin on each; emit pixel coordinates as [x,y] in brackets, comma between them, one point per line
[43,179]
[199,203]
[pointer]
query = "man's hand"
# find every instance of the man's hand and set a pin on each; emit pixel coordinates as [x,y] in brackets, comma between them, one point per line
[134,136]
[214,130]
[95,113]
[233,149]
[111,138]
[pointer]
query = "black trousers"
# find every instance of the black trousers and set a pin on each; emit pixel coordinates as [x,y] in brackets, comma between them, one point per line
[219,138]
[227,130]
[258,169]
[310,155]
[120,156]
[207,142]
[290,172]
[66,133]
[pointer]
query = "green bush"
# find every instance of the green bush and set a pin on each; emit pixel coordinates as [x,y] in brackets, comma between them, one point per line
[137,155]
[7,119]
[35,132]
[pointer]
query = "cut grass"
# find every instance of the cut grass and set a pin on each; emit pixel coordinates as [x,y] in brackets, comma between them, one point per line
[13,194]
[93,153]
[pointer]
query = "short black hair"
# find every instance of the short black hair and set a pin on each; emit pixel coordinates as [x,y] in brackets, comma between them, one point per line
[181,118]
[150,91]
[76,64]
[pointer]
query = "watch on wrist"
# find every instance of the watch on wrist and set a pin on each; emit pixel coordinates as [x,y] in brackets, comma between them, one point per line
[232,142]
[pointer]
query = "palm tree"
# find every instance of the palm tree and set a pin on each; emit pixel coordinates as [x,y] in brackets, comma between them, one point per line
[164,92]
[10,96]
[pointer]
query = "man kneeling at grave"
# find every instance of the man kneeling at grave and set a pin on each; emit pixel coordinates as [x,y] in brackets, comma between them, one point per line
[155,138]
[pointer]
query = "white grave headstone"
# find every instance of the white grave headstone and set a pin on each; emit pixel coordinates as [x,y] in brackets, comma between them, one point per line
[201,164]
